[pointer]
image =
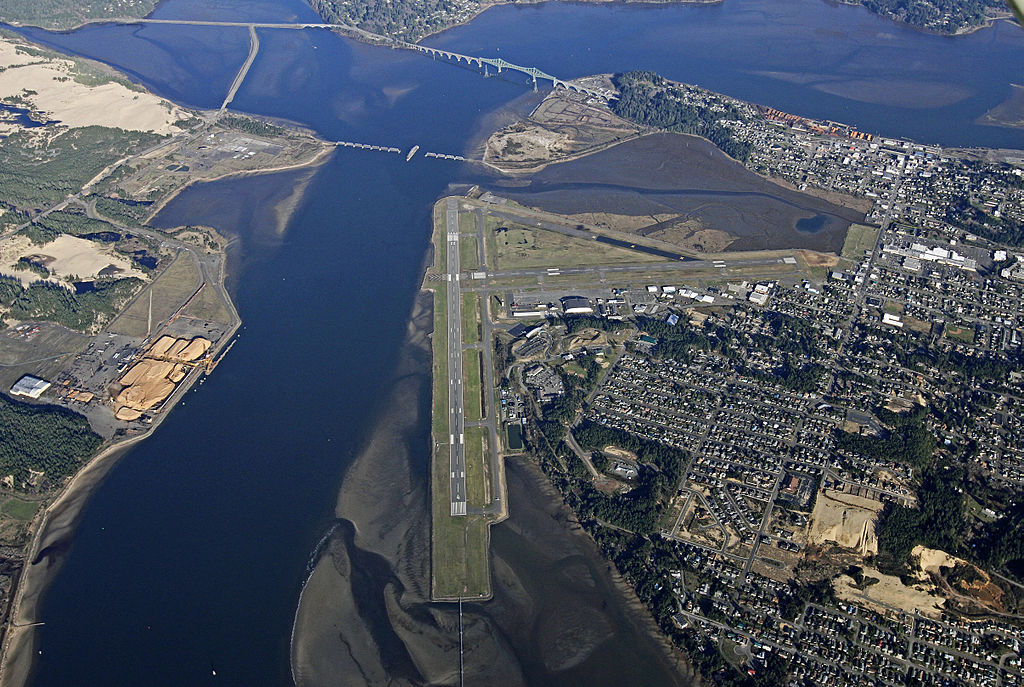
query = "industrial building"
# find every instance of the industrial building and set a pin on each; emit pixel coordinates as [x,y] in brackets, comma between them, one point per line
[30,386]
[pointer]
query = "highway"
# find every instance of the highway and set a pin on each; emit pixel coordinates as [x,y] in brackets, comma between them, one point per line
[456,411]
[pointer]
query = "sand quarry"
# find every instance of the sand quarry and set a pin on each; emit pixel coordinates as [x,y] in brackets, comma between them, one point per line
[77,105]
[846,520]
[151,380]
[66,256]
[890,592]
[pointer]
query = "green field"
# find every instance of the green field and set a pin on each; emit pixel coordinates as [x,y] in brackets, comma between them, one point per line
[965,334]
[893,308]
[20,510]
[467,223]
[471,384]
[859,238]
[208,305]
[439,342]
[470,318]
[476,469]
[517,246]
[469,256]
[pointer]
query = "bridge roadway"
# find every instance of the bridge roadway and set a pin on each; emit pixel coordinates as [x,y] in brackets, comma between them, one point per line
[254,48]
[481,62]
[456,411]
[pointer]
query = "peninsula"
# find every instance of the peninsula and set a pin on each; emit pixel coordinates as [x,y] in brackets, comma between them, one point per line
[802,460]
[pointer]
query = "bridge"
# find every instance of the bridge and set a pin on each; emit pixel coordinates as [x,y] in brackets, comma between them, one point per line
[500,64]
[480,62]
[366,146]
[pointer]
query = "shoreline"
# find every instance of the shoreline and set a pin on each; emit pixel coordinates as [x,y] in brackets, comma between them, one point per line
[644,621]
[317,160]
[61,517]
[364,36]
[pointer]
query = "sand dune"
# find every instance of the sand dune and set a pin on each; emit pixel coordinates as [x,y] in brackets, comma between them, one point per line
[49,85]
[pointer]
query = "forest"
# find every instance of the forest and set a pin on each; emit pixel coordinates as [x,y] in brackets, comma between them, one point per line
[45,439]
[946,16]
[660,471]
[55,303]
[63,14]
[938,521]
[909,441]
[28,184]
[651,100]
[407,20]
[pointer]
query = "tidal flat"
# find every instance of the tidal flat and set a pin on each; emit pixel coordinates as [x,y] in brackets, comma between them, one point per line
[690,180]
[558,607]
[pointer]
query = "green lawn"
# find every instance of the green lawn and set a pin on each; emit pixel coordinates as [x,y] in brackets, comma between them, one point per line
[859,238]
[469,257]
[470,318]
[19,510]
[471,383]
[476,469]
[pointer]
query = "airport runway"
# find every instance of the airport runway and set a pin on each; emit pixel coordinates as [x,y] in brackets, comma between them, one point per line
[456,412]
[648,267]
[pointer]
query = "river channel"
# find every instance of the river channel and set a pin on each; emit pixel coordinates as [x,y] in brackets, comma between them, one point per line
[190,558]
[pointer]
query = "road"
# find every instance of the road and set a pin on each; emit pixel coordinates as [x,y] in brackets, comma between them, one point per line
[456,411]
[254,48]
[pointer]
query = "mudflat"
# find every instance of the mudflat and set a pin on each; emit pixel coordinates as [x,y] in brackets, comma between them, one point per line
[687,186]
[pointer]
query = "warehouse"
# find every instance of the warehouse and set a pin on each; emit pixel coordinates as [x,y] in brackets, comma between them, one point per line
[30,386]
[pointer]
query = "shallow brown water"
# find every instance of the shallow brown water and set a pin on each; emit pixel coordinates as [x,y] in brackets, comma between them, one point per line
[690,178]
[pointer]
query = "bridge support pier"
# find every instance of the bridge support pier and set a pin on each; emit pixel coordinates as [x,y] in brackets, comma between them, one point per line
[535,84]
